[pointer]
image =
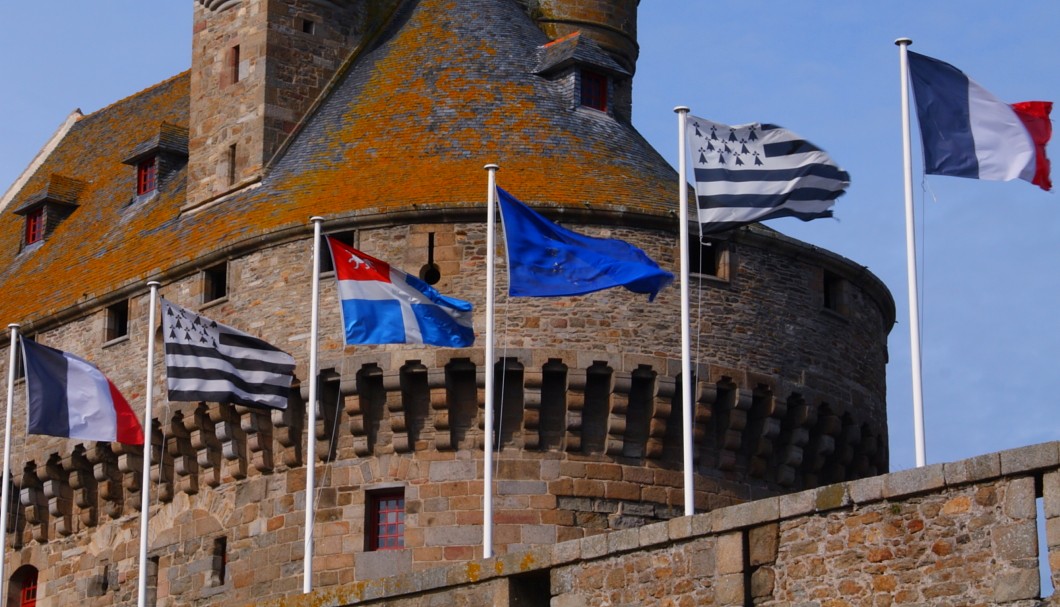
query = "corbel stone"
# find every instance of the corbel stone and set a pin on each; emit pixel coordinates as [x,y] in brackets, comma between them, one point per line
[638,418]
[576,382]
[794,435]
[617,425]
[185,461]
[130,467]
[661,426]
[463,400]
[328,398]
[34,503]
[84,486]
[732,412]
[287,427]
[822,444]
[409,418]
[161,464]
[204,443]
[257,426]
[59,495]
[763,427]
[364,407]
[104,462]
[233,439]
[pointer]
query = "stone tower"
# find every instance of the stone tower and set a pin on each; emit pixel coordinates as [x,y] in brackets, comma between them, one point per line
[257,67]
[610,23]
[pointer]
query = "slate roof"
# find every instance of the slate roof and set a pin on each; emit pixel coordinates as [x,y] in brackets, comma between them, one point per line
[410,124]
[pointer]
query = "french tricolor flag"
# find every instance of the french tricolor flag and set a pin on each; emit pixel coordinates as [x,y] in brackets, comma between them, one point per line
[968,132]
[70,397]
[383,305]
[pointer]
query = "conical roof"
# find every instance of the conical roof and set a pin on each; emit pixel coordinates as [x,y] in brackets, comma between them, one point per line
[403,133]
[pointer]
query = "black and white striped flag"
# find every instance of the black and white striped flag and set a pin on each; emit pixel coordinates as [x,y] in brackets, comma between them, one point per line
[208,361]
[753,172]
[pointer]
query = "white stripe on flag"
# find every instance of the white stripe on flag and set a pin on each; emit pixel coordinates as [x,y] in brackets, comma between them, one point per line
[90,405]
[1003,146]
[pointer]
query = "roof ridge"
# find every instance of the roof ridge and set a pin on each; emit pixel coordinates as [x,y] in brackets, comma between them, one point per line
[143,91]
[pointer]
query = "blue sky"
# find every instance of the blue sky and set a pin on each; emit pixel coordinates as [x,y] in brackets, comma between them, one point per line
[828,71]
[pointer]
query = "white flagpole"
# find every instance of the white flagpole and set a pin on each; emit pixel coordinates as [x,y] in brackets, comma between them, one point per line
[686,322]
[311,411]
[5,493]
[910,258]
[145,477]
[491,253]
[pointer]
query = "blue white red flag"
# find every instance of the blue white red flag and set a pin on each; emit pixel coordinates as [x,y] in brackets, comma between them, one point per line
[968,132]
[548,260]
[70,397]
[383,305]
[753,172]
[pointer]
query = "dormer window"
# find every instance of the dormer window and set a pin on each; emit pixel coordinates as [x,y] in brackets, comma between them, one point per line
[34,225]
[157,159]
[594,90]
[589,75]
[147,176]
[45,210]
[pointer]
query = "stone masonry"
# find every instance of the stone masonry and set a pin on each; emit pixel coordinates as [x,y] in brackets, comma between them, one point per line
[961,533]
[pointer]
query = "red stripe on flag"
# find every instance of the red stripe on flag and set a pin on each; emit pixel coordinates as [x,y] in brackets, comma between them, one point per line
[1035,116]
[129,430]
[351,264]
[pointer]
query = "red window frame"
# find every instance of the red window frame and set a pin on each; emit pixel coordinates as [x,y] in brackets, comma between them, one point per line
[34,225]
[147,176]
[27,596]
[386,520]
[594,90]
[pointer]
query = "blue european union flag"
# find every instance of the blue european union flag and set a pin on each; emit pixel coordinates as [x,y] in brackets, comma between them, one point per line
[546,260]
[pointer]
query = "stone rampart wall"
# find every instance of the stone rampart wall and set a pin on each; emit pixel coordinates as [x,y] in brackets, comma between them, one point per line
[961,533]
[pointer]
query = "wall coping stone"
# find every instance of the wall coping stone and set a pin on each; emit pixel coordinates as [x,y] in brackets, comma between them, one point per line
[866,490]
[1027,459]
[979,468]
[797,504]
[746,515]
[913,481]
[723,522]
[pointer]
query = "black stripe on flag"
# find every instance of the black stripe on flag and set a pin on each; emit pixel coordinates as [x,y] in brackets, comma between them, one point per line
[208,361]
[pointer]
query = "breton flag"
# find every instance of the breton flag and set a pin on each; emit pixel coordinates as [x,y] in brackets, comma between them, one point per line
[383,305]
[208,361]
[70,397]
[547,260]
[753,172]
[968,132]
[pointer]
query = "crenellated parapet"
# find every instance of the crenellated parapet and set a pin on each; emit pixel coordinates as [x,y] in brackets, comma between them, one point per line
[769,437]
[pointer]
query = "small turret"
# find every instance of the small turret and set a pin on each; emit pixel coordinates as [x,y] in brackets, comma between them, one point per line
[257,67]
[610,23]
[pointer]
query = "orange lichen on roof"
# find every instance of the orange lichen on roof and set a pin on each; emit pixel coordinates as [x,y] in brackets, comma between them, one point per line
[412,122]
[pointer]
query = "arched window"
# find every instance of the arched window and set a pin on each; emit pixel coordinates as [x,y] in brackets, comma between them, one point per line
[22,591]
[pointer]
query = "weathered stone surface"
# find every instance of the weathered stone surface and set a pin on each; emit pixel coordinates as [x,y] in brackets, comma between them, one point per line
[729,556]
[1026,459]
[982,467]
[1024,584]
[915,480]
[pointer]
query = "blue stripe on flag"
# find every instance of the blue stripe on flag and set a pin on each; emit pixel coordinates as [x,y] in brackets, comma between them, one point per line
[941,92]
[46,376]
[373,321]
[438,328]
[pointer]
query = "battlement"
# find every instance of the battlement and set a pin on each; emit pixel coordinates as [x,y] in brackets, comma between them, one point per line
[766,438]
